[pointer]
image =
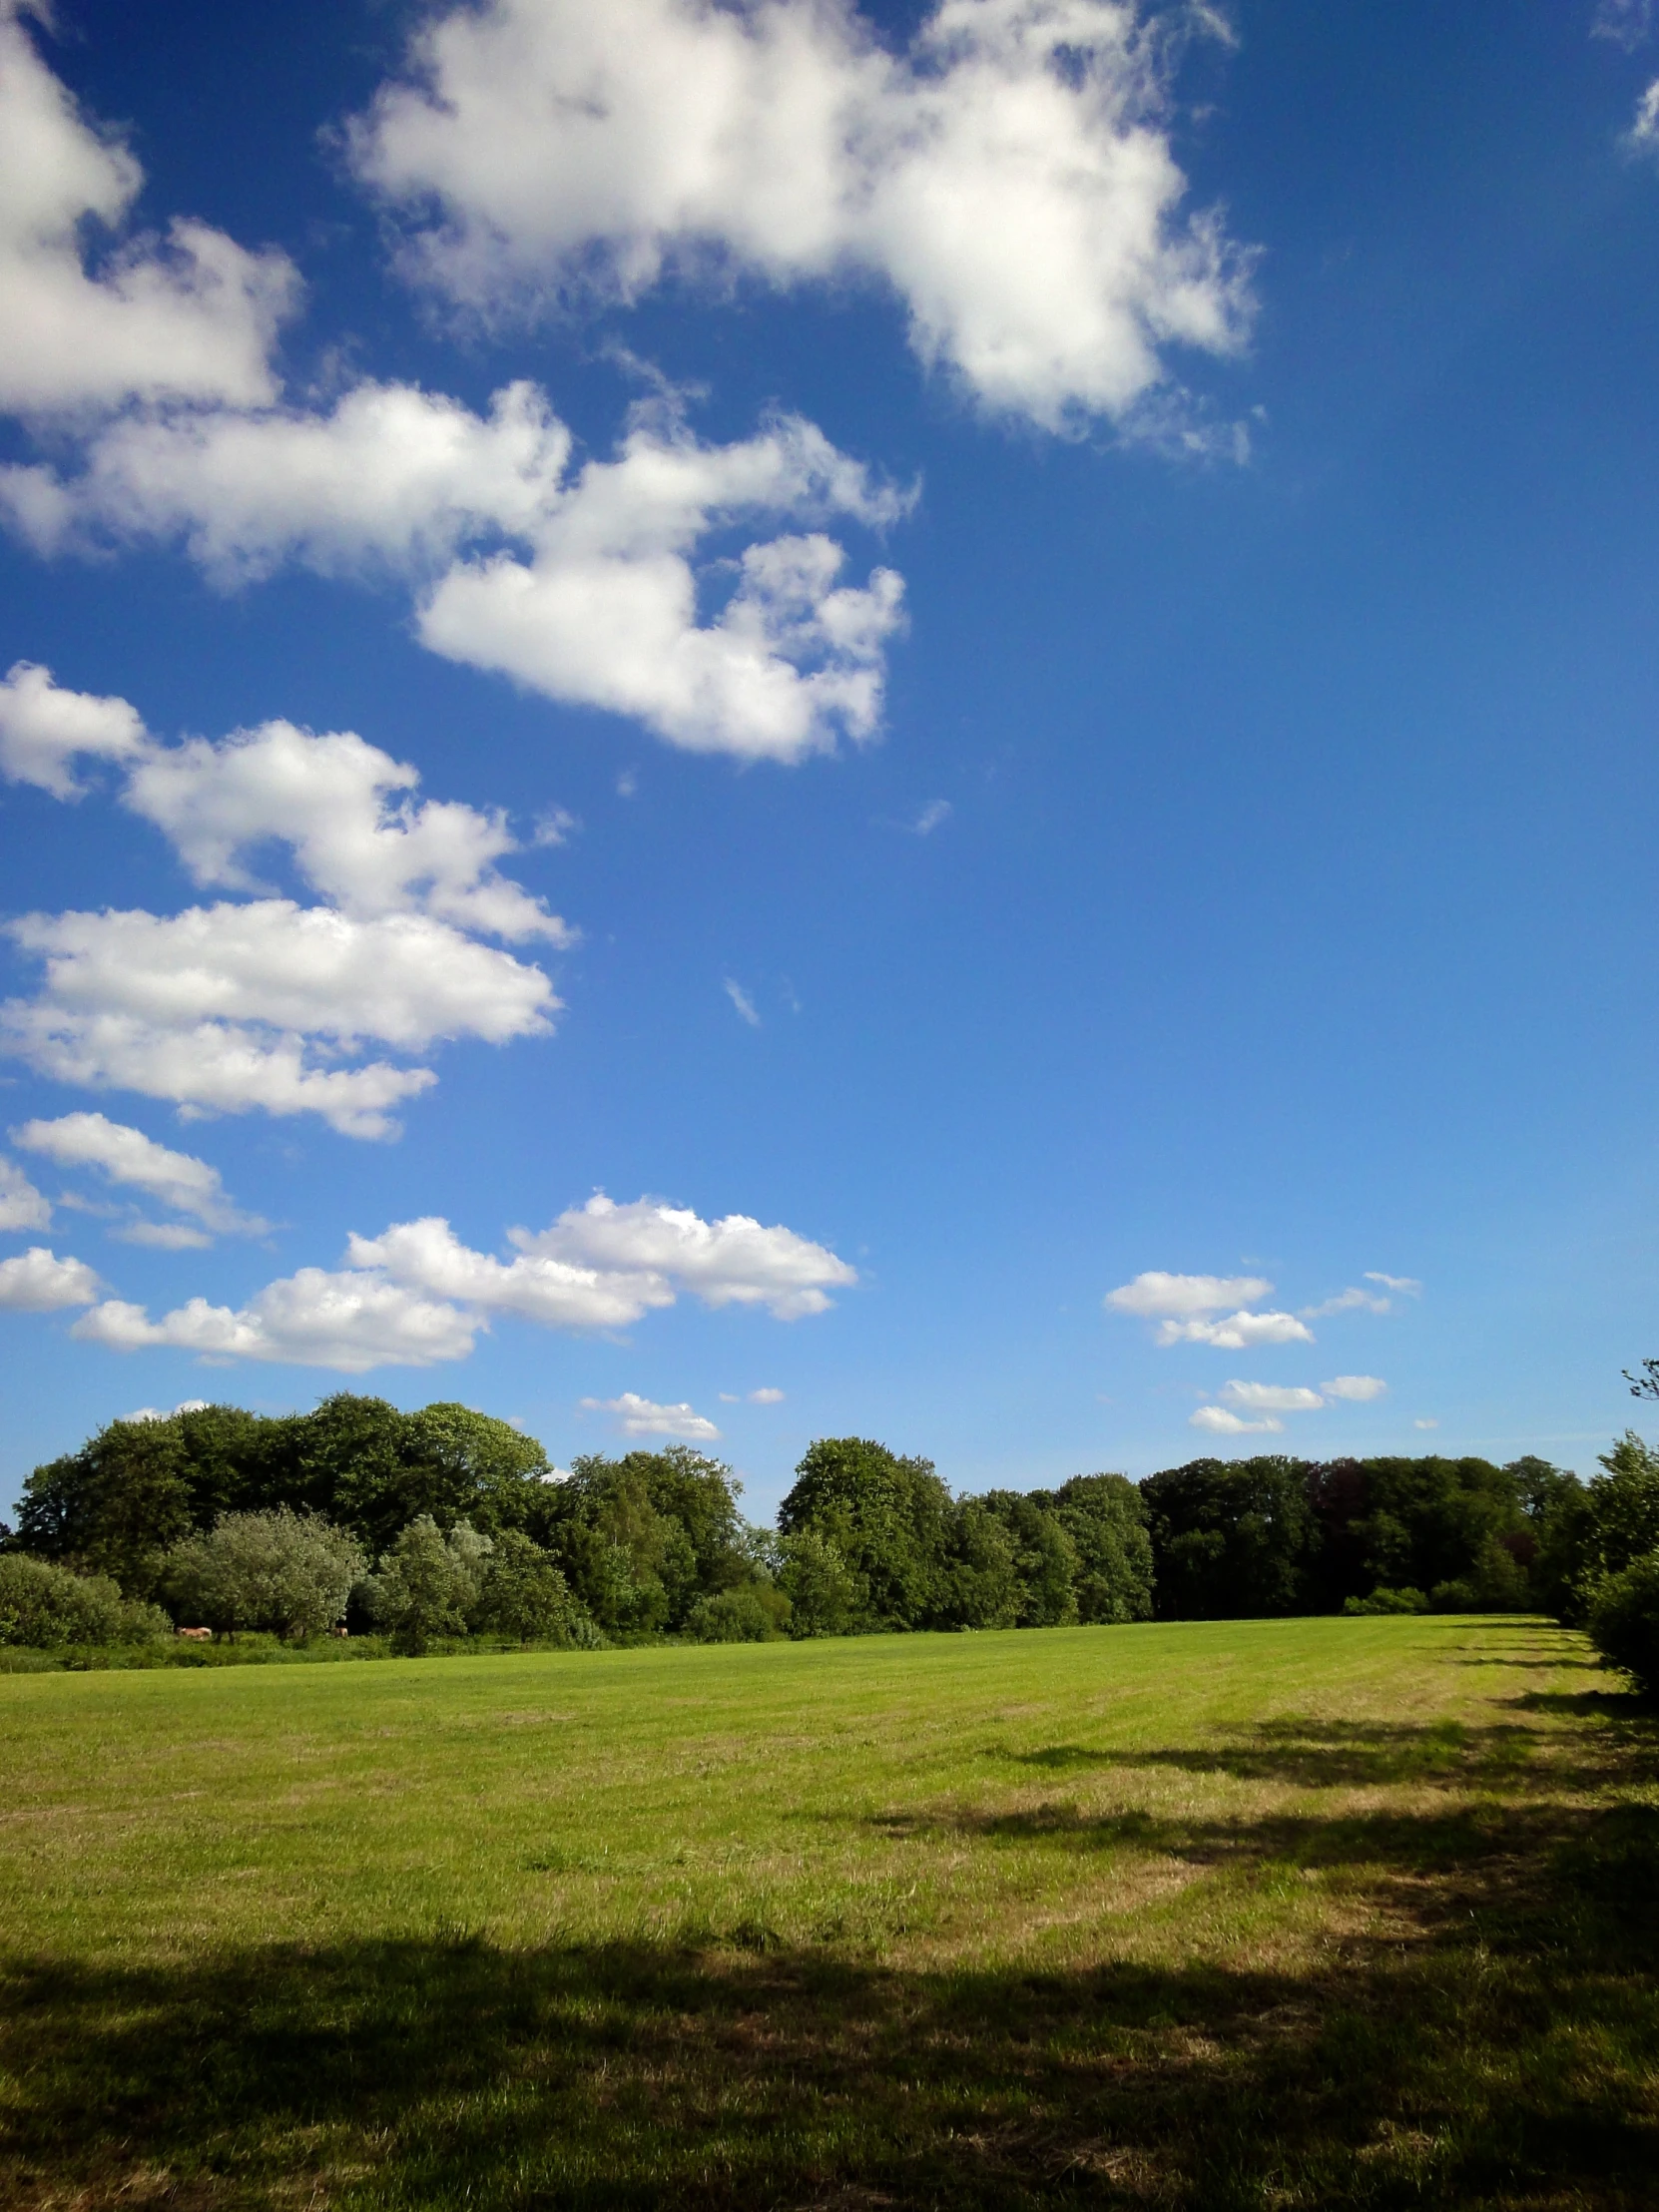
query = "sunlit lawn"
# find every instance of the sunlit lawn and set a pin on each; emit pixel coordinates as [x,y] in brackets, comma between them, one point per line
[1281,1914]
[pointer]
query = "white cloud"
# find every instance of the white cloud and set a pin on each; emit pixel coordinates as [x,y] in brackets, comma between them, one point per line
[931,816]
[1271,1398]
[642,1416]
[38,1282]
[44,729]
[1221,1422]
[1011,178]
[765,1398]
[743,1002]
[1628,23]
[177,1179]
[598,606]
[228,1007]
[1155,1292]
[214,1007]
[1406,1285]
[164,1236]
[348,1321]
[21,1205]
[157,1412]
[416,1295]
[732,1260]
[603,1266]
[192,318]
[1360,1388]
[1350,1301]
[1429,1423]
[1237,1331]
[537,1286]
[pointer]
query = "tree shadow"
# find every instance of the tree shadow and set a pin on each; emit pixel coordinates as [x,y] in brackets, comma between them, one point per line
[1334,1755]
[449,2072]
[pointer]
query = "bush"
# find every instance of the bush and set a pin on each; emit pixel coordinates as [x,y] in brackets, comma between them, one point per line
[1388,1601]
[1625,1622]
[754,1613]
[289,1573]
[45,1608]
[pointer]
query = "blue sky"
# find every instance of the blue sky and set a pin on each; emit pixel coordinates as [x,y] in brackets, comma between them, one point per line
[1223,860]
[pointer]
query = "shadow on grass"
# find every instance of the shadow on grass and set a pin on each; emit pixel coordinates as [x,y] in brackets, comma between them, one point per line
[1506,2056]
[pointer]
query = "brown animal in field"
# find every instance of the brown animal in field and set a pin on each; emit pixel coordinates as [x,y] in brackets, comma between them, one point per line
[196,1635]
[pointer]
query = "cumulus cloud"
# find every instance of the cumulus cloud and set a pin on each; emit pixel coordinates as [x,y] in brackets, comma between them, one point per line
[603,1266]
[1182,1296]
[226,1008]
[765,1398]
[1271,1398]
[1237,1331]
[730,1261]
[1010,178]
[192,317]
[609,585]
[44,729]
[1220,1421]
[21,1205]
[642,1416]
[125,1156]
[349,1321]
[38,1282]
[1360,1388]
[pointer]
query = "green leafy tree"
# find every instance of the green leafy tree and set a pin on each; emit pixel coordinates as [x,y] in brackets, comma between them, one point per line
[428,1583]
[1624,1620]
[887,1517]
[290,1573]
[1105,1517]
[823,1593]
[47,1607]
[980,1582]
[1231,1539]
[751,1613]
[1045,1560]
[522,1594]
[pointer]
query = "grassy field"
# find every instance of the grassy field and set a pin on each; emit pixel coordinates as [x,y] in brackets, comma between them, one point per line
[1267,1913]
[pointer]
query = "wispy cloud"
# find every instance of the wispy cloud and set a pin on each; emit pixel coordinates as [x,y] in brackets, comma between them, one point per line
[1406,1285]
[931,816]
[743,1002]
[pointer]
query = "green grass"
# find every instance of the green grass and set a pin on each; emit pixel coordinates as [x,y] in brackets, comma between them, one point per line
[1267,1913]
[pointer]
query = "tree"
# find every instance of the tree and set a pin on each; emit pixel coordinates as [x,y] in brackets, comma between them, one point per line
[1231,1539]
[981,1585]
[287,1572]
[427,1583]
[1624,1620]
[46,1608]
[523,1594]
[823,1591]
[887,1516]
[1105,1517]
[1045,1560]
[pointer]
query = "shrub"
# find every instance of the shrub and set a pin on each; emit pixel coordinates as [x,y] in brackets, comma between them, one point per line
[45,1608]
[1388,1601]
[287,1572]
[1624,1621]
[754,1613]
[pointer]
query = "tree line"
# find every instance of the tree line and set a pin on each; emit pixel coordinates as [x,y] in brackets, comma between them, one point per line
[444,1523]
